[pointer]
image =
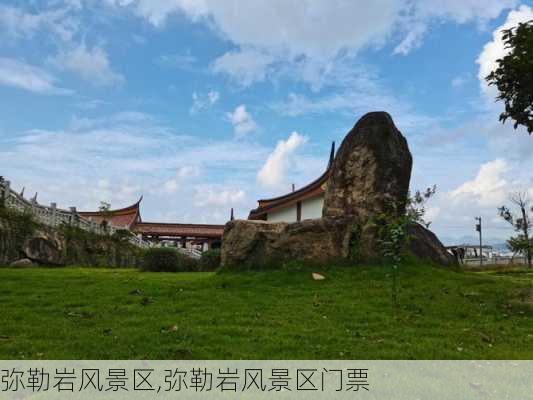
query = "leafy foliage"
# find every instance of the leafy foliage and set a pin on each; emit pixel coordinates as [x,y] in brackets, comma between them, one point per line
[122,235]
[393,242]
[19,225]
[416,205]
[105,209]
[90,248]
[167,259]
[514,76]
[519,245]
[521,222]
[209,261]
[394,235]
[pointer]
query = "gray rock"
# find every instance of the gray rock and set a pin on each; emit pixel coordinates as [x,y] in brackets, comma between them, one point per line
[324,241]
[22,263]
[371,171]
[425,245]
[252,244]
[44,247]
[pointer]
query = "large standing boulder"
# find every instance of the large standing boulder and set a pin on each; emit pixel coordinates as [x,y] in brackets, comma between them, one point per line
[371,171]
[368,182]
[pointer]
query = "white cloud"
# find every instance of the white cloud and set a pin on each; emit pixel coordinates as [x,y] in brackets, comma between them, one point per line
[218,195]
[91,64]
[415,23]
[432,212]
[245,66]
[122,156]
[358,95]
[27,77]
[505,141]
[242,120]
[495,49]
[315,31]
[275,168]
[308,36]
[157,11]
[488,188]
[476,191]
[463,11]
[18,23]
[413,39]
[182,175]
[202,102]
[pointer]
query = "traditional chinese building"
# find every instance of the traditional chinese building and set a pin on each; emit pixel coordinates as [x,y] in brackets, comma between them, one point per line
[124,218]
[198,236]
[298,205]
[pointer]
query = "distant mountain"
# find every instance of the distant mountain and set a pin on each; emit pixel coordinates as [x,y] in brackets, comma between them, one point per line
[496,243]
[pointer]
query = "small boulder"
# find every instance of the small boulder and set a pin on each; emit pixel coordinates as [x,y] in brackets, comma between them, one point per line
[318,277]
[22,263]
[425,245]
[43,247]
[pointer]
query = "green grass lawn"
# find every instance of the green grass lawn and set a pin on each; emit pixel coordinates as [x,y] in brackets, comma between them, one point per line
[79,313]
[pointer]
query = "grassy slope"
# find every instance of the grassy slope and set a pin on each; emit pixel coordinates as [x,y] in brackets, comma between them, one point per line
[92,314]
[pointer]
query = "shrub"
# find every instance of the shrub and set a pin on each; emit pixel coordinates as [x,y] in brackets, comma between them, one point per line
[187,264]
[160,259]
[166,259]
[15,228]
[210,260]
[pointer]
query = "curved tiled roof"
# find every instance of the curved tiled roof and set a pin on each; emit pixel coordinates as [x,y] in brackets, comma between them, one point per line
[313,189]
[121,218]
[130,218]
[183,230]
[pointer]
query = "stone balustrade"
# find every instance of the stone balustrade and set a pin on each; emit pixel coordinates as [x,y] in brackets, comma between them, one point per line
[53,216]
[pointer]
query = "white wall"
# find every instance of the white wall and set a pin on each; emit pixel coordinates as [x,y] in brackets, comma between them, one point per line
[283,215]
[312,208]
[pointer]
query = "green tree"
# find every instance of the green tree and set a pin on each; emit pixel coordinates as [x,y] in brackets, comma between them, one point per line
[394,235]
[514,76]
[105,209]
[416,205]
[521,222]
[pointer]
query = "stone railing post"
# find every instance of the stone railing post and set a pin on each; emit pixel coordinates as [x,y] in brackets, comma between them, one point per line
[4,191]
[34,205]
[73,217]
[53,212]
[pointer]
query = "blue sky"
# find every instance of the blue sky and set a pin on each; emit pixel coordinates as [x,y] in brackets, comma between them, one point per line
[204,105]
